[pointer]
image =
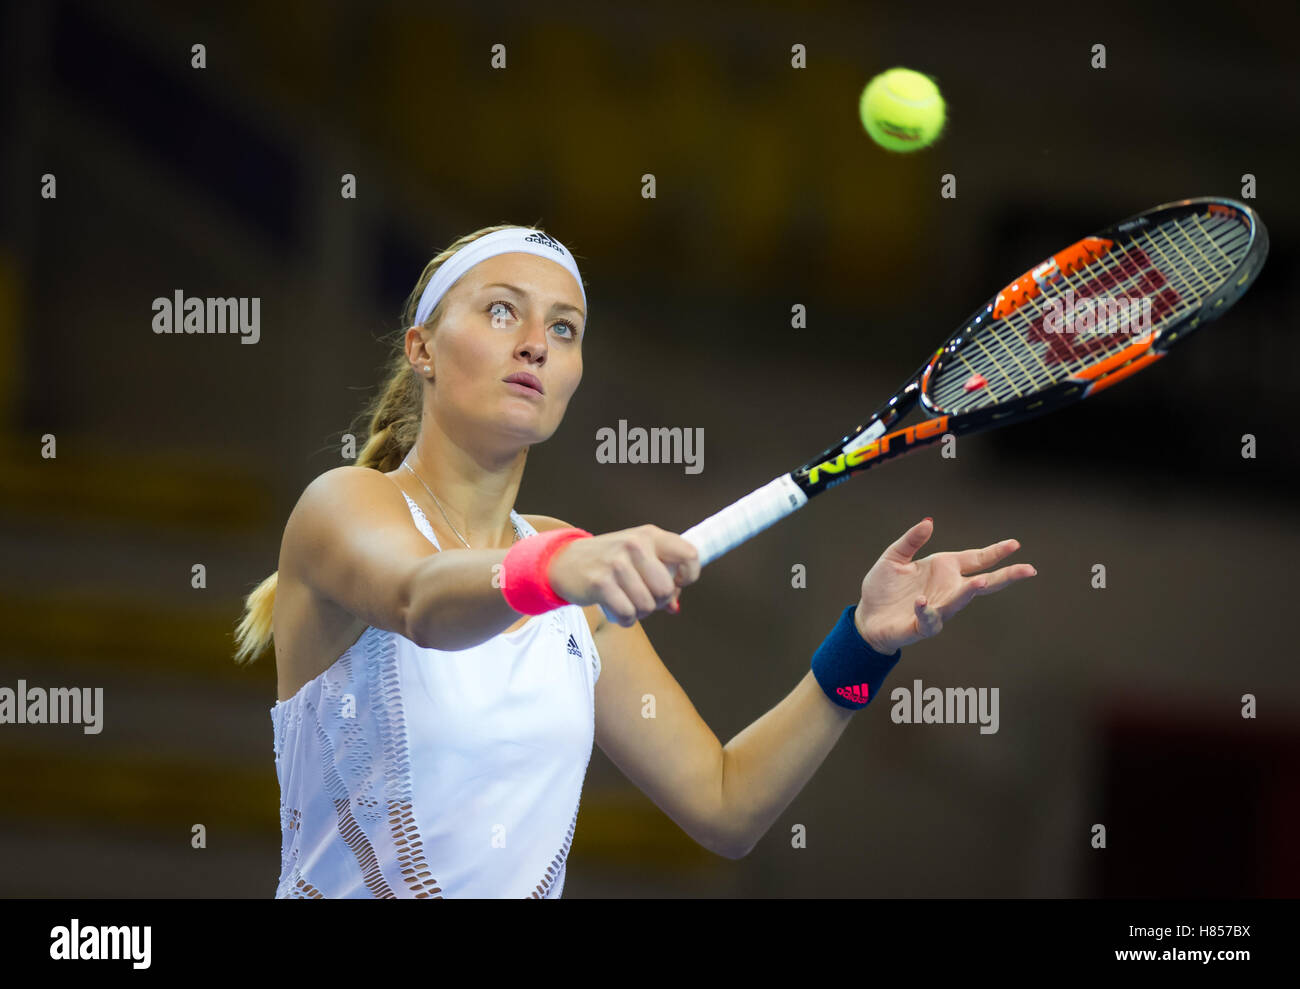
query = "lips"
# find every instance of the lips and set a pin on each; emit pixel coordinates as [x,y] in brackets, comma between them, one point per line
[529,380]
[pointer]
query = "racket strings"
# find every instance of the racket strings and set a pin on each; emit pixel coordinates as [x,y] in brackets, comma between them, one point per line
[1172,266]
[1166,274]
[1171,286]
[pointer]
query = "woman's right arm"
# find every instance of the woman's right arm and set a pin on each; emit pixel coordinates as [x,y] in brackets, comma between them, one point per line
[351,539]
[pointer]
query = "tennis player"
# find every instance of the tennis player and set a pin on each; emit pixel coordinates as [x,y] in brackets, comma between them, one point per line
[444,664]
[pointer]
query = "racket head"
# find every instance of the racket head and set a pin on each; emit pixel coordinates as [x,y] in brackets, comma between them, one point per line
[1095,313]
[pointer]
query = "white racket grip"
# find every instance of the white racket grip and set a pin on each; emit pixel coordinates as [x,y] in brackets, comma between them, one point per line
[746,518]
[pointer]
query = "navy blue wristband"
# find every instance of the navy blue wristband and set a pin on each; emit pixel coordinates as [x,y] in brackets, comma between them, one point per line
[849,670]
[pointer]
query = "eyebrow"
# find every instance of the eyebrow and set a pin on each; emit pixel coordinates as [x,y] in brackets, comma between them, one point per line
[555,306]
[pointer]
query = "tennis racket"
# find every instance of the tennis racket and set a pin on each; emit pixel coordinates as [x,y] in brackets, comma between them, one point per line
[1083,320]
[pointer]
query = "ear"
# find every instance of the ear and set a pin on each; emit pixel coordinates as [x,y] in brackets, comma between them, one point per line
[418,351]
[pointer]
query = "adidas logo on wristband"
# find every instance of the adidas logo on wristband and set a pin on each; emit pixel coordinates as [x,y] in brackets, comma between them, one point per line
[857,693]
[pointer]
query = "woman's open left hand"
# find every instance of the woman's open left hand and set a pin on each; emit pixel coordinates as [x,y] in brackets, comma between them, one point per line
[904,600]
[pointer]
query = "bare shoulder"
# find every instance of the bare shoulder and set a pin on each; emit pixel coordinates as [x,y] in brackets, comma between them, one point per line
[348,479]
[363,495]
[545,523]
[342,485]
[345,489]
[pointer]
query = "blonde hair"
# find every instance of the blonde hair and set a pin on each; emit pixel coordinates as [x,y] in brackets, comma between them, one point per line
[394,414]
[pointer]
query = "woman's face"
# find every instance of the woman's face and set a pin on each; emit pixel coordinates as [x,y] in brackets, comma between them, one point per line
[513,314]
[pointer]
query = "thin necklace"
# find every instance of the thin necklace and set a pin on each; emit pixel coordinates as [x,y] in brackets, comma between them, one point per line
[444,511]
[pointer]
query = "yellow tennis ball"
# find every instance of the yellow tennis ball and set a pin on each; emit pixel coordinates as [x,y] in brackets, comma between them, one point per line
[902,110]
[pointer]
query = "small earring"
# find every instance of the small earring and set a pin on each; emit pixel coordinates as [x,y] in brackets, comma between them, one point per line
[426,369]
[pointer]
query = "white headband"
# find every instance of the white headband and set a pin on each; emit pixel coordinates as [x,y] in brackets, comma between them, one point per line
[523,240]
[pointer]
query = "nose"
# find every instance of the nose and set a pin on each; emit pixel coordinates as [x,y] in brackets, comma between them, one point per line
[532,344]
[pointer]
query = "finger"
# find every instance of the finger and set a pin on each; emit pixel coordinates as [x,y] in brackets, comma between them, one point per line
[654,574]
[972,560]
[687,573]
[629,579]
[680,555]
[969,589]
[683,573]
[909,543]
[999,579]
[617,606]
[928,619]
[680,573]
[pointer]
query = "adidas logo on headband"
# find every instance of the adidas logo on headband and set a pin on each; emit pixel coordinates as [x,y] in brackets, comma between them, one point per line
[545,241]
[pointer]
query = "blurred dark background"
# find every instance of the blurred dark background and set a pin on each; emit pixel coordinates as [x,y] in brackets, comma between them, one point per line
[1119,707]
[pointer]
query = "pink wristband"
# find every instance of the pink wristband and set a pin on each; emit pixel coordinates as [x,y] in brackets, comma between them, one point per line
[523,574]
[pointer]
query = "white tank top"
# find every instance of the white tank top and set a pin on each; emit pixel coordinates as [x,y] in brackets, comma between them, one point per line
[409,772]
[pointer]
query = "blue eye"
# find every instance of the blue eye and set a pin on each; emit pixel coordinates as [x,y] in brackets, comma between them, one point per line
[573,330]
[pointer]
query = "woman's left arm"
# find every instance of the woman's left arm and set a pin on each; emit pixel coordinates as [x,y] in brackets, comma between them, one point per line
[726,797]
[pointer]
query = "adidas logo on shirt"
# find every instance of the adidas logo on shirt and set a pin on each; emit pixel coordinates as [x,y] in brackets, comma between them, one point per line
[573,647]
